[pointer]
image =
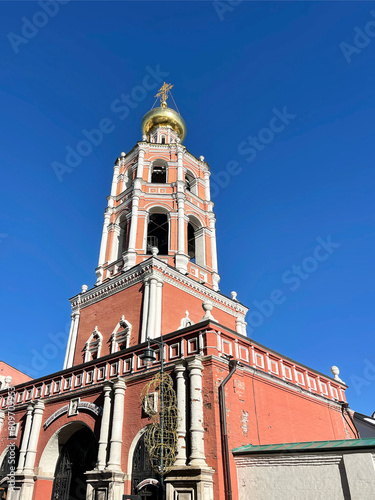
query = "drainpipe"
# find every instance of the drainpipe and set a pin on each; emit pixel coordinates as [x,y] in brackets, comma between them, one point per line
[224,433]
[345,406]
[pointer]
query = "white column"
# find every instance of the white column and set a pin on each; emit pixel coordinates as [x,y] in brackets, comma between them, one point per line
[131,256]
[104,427]
[152,309]
[180,201]
[25,438]
[207,189]
[159,293]
[146,301]
[34,437]
[134,223]
[181,225]
[181,405]
[180,163]
[181,258]
[215,274]
[116,170]
[69,357]
[141,157]
[213,244]
[114,462]
[103,245]
[2,417]
[197,456]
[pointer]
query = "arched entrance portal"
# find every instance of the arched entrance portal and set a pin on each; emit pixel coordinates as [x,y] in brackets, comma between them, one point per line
[141,471]
[77,456]
[8,465]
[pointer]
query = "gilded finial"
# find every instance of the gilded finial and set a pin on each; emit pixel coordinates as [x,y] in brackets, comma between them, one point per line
[163,94]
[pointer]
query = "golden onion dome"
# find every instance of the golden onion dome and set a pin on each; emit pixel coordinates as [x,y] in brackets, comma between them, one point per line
[164,117]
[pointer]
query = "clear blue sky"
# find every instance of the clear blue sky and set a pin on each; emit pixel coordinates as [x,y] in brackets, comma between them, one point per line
[313,178]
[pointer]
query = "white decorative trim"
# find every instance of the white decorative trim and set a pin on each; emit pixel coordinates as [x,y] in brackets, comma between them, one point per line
[86,405]
[55,415]
[186,321]
[286,460]
[73,407]
[93,345]
[122,336]
[170,275]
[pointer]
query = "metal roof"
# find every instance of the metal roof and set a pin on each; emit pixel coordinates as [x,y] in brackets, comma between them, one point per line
[306,446]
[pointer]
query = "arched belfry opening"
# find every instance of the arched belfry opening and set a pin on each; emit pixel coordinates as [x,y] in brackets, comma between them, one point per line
[158,233]
[122,246]
[77,456]
[195,241]
[159,172]
[191,242]
[191,183]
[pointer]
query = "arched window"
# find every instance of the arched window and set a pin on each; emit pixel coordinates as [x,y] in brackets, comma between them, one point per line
[159,172]
[93,346]
[163,139]
[191,183]
[121,335]
[158,233]
[195,243]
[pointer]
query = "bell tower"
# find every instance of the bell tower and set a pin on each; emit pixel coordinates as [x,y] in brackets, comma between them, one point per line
[158,262]
[160,204]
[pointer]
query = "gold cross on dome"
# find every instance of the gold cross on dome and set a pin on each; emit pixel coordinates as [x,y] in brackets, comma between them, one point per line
[163,92]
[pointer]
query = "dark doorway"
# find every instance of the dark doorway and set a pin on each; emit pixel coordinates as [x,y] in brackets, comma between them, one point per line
[142,470]
[157,233]
[77,456]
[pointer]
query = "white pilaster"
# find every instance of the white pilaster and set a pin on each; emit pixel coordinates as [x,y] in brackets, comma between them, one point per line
[146,301]
[181,405]
[130,257]
[114,462]
[213,243]
[197,457]
[152,309]
[180,163]
[2,417]
[181,225]
[207,188]
[34,437]
[25,438]
[116,170]
[104,428]
[159,297]
[133,224]
[103,245]
[215,275]
[141,157]
[69,356]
